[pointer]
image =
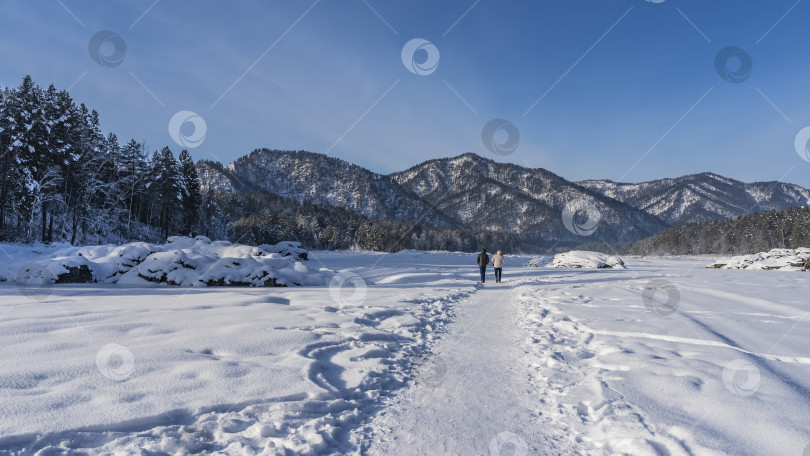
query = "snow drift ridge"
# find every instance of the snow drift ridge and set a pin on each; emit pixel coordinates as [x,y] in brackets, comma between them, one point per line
[183,261]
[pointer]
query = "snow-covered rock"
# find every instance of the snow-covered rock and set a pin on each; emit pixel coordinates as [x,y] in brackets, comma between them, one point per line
[182,261]
[537,262]
[286,248]
[586,259]
[784,259]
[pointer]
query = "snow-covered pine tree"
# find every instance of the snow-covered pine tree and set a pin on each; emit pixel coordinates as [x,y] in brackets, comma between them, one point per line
[61,126]
[214,220]
[165,189]
[132,171]
[191,198]
[7,119]
[84,180]
[37,176]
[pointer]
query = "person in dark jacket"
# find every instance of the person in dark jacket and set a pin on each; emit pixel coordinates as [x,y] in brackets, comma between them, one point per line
[483,260]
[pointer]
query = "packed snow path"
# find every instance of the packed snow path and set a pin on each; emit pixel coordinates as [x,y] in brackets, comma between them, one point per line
[471,394]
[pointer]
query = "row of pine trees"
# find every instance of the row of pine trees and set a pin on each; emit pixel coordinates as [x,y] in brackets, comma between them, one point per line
[752,233]
[261,218]
[63,180]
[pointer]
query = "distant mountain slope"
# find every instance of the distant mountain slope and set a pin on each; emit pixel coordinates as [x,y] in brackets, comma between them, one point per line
[320,179]
[473,192]
[702,197]
[213,177]
[485,194]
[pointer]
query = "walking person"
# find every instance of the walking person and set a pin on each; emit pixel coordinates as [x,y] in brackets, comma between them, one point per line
[497,262]
[483,261]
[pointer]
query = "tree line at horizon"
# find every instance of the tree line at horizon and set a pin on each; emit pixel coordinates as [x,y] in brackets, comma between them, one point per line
[263,218]
[746,234]
[63,180]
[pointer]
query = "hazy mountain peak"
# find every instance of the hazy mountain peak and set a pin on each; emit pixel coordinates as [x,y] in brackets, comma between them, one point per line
[702,196]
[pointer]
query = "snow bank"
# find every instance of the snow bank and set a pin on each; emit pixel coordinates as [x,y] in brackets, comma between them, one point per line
[585,259]
[784,259]
[183,261]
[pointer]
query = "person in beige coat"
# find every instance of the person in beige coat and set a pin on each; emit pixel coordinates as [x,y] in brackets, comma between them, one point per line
[497,261]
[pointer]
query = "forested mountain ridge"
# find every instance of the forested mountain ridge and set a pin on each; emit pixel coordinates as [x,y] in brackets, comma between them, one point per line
[214,178]
[465,191]
[482,194]
[702,197]
[486,194]
[261,218]
[320,179]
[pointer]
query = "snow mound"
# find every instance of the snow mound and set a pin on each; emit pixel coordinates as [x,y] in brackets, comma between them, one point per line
[587,260]
[537,262]
[784,259]
[182,261]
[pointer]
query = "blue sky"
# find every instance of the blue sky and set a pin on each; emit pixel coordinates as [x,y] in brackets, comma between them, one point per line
[618,89]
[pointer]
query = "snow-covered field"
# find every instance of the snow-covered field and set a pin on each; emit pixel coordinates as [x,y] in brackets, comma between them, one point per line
[406,354]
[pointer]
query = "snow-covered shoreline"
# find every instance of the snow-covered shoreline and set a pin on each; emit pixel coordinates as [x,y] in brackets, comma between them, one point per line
[182,261]
[781,259]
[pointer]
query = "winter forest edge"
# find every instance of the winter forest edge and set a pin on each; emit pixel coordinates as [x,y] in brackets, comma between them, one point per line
[63,180]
